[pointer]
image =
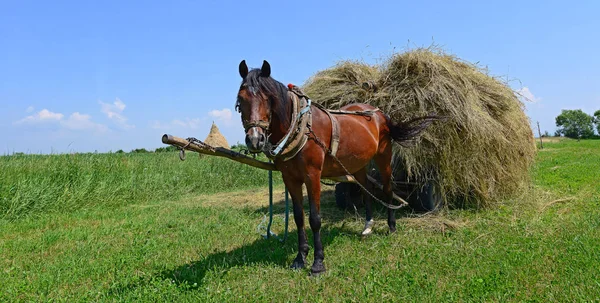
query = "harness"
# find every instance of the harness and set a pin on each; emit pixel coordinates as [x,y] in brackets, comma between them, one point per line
[300,127]
[335,131]
[295,139]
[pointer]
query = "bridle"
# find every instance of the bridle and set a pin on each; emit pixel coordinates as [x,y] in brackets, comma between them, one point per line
[290,140]
[248,124]
[264,125]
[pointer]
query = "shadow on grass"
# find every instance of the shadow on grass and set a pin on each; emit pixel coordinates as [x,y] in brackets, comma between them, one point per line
[267,252]
[262,252]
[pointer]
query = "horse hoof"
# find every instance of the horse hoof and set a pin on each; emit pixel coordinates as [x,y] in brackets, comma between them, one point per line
[392,229]
[317,268]
[297,265]
[368,228]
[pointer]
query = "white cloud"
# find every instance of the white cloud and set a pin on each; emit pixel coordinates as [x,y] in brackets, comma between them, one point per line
[76,121]
[527,95]
[223,115]
[42,116]
[114,112]
[178,123]
[30,109]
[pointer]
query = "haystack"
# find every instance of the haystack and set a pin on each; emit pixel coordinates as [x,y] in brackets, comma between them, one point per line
[483,150]
[215,138]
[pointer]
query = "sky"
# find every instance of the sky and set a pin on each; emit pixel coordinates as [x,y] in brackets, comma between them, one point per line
[79,76]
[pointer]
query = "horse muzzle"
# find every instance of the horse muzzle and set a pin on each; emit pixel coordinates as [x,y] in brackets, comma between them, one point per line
[255,140]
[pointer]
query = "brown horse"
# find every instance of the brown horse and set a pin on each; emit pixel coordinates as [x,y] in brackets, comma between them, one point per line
[267,110]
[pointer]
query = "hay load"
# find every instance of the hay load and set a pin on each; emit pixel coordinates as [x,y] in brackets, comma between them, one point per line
[342,84]
[215,138]
[480,154]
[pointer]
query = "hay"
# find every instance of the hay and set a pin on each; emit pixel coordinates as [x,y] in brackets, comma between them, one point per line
[480,154]
[215,138]
[342,84]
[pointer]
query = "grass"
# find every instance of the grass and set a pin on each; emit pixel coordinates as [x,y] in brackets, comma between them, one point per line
[36,184]
[542,246]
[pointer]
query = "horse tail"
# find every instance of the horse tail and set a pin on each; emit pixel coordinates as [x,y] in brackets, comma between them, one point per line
[404,133]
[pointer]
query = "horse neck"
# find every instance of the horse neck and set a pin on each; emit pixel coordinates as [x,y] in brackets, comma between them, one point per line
[279,123]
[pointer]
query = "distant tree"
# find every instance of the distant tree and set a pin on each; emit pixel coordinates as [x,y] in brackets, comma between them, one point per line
[166,149]
[575,124]
[597,120]
[139,150]
[546,134]
[238,146]
[120,151]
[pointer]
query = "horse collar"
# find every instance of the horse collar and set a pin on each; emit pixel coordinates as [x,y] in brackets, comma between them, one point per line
[295,138]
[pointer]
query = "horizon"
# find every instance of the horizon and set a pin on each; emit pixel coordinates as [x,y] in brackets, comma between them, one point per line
[101,77]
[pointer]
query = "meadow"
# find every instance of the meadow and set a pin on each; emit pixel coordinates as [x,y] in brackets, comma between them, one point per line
[148,228]
[31,185]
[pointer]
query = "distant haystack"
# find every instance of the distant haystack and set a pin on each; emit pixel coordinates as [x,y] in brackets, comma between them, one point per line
[215,138]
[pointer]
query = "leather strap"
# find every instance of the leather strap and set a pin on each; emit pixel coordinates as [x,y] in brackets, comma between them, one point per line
[296,136]
[260,123]
[335,133]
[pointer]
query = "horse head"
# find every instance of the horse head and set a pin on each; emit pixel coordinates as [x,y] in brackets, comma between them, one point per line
[259,99]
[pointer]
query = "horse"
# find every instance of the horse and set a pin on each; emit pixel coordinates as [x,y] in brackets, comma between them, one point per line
[271,116]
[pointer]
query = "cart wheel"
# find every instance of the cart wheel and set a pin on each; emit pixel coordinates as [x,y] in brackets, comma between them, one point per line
[347,195]
[426,198]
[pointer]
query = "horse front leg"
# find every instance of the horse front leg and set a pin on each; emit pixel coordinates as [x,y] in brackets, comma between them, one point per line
[313,188]
[295,190]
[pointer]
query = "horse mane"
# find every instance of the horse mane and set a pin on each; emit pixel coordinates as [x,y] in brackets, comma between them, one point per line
[275,91]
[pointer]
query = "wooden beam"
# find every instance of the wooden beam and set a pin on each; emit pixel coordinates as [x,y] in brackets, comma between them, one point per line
[217,151]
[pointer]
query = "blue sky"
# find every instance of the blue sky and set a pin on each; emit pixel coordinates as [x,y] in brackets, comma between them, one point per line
[78,76]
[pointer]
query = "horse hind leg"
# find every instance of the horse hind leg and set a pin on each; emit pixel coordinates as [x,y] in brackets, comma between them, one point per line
[361,177]
[384,162]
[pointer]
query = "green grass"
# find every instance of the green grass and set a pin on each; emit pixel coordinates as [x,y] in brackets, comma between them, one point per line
[36,184]
[543,246]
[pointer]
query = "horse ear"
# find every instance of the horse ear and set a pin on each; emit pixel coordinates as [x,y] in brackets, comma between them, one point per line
[265,70]
[243,69]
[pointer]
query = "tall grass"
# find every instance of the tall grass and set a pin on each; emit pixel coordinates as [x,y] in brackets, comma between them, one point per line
[32,184]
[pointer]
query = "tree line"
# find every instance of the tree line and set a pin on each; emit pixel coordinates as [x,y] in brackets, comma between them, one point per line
[577,124]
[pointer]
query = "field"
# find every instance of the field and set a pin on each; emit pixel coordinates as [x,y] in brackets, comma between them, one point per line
[149,228]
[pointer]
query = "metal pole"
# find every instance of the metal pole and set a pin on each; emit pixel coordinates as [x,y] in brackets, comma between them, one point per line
[270,204]
[540,133]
